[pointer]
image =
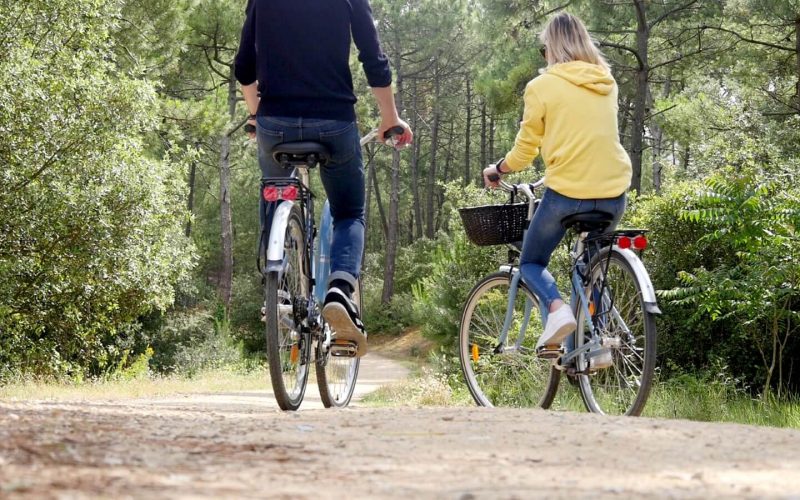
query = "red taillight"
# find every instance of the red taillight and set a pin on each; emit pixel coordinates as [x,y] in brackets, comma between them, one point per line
[623,242]
[271,193]
[640,242]
[289,193]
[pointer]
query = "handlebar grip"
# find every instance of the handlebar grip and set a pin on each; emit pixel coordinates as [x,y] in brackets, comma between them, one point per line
[494,177]
[250,128]
[396,130]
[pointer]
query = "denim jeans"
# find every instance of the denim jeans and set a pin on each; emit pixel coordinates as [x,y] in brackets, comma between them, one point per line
[342,177]
[545,233]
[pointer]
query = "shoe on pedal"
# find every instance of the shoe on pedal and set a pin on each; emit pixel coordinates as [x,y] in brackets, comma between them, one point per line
[560,323]
[341,314]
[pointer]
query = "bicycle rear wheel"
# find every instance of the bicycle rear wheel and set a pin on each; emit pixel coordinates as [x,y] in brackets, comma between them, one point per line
[336,375]
[620,315]
[288,346]
[505,374]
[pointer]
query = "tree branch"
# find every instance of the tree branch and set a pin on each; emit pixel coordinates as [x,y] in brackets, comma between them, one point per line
[665,15]
[750,40]
[626,48]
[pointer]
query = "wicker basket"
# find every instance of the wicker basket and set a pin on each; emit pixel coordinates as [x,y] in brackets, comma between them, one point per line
[495,224]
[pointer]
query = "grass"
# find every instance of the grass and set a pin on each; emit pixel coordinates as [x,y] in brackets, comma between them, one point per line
[716,402]
[207,381]
[423,388]
[684,397]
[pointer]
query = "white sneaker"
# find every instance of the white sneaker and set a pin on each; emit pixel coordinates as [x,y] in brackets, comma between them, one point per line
[560,323]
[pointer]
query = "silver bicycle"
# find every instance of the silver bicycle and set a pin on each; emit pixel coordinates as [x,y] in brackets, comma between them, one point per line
[610,357]
[295,266]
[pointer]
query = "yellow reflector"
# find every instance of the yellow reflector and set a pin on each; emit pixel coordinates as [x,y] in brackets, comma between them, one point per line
[295,354]
[475,353]
[591,308]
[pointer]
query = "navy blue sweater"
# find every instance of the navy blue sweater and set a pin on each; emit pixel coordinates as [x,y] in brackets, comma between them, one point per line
[299,51]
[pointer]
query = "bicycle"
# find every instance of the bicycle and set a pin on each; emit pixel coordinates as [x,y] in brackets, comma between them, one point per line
[611,355]
[295,272]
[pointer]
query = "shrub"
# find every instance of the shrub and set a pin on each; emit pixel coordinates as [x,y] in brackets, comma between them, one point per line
[725,262]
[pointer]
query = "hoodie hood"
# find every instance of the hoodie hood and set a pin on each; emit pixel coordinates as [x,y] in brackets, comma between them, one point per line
[583,74]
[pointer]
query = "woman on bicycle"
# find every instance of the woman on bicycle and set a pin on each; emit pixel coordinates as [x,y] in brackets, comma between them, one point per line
[571,118]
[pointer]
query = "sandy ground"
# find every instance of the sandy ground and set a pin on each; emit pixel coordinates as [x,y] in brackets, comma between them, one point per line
[239,445]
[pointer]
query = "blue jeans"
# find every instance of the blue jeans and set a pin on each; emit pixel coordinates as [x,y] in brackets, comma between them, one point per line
[342,177]
[545,233]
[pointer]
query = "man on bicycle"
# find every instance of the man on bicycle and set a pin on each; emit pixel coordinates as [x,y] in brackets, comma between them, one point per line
[293,65]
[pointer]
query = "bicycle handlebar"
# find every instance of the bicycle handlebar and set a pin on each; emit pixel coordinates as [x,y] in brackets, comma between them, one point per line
[525,188]
[387,136]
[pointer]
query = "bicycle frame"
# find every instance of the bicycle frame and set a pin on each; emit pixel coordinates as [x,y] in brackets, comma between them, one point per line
[578,300]
[317,256]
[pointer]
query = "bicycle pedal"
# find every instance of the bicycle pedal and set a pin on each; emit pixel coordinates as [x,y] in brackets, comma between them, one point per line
[550,352]
[344,349]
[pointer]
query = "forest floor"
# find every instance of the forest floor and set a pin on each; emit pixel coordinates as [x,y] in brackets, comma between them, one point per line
[237,444]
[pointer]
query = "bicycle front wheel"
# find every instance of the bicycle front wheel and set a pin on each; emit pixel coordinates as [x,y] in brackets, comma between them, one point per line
[621,318]
[288,346]
[504,372]
[336,375]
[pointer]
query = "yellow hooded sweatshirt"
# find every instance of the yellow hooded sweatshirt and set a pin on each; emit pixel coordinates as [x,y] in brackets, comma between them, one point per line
[571,115]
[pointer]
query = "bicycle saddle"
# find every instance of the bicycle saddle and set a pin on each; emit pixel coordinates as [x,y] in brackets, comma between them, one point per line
[300,154]
[587,222]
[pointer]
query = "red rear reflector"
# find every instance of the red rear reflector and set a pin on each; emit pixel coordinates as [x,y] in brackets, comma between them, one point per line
[623,242]
[289,193]
[270,193]
[640,242]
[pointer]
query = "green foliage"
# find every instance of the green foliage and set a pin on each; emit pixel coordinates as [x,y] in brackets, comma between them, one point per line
[456,266]
[725,257]
[91,226]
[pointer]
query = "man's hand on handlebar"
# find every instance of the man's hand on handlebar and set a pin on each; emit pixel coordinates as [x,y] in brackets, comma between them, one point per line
[385,130]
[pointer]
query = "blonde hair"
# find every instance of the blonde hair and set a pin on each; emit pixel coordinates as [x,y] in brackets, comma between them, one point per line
[566,39]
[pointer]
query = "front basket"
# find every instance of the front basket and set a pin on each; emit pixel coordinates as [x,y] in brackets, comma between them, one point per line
[495,224]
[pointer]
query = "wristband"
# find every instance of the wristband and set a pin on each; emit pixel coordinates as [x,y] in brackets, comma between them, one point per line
[497,167]
[251,117]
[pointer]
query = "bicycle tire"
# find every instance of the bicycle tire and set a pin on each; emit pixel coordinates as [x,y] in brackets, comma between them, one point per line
[513,377]
[605,390]
[336,376]
[288,346]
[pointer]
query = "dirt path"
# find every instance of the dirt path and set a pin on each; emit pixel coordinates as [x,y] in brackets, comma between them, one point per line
[238,445]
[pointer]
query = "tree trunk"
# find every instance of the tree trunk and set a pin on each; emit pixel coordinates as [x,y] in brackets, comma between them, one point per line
[378,201]
[430,212]
[416,149]
[797,61]
[226,217]
[448,164]
[685,158]
[467,171]
[658,137]
[368,214]
[483,136]
[392,233]
[640,98]
[491,138]
[190,201]
[394,194]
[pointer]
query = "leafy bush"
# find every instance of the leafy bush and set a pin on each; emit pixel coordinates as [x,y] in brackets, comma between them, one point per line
[91,233]
[456,266]
[726,264]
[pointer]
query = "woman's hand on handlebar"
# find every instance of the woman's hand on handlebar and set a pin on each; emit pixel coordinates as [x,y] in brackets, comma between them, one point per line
[491,176]
[399,140]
